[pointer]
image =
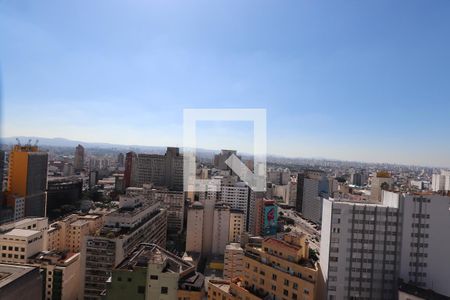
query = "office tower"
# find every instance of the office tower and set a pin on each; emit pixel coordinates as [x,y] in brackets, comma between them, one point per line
[381,181]
[136,221]
[65,191]
[151,272]
[120,160]
[219,159]
[425,243]
[160,170]
[78,161]
[20,282]
[360,249]
[22,239]
[312,186]
[237,225]
[279,269]
[233,261]
[27,177]
[194,231]
[61,273]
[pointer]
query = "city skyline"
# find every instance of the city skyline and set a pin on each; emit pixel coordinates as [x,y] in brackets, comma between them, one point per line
[336,81]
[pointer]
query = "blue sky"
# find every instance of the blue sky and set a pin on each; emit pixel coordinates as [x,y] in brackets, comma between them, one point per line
[352,80]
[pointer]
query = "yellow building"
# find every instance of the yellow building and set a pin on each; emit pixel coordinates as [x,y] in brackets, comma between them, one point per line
[279,268]
[27,177]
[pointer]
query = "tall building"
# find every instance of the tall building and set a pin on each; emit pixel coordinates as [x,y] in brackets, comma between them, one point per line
[136,221]
[237,225]
[219,159]
[120,160]
[279,269]
[151,272]
[233,261]
[63,191]
[381,181]
[173,202]
[425,243]
[237,196]
[160,170]
[20,282]
[194,232]
[266,221]
[441,182]
[221,227]
[360,249]
[78,161]
[27,177]
[312,186]
[279,176]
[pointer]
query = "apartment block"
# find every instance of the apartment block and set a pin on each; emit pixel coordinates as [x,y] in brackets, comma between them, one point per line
[233,261]
[360,249]
[124,229]
[425,243]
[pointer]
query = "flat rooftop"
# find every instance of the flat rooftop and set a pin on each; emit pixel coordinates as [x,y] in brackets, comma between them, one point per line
[9,273]
[22,232]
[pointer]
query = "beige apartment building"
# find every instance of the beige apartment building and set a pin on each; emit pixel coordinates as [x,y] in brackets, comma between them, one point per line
[233,261]
[279,269]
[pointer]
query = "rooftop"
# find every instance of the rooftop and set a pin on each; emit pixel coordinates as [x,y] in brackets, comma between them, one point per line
[9,273]
[151,253]
[22,232]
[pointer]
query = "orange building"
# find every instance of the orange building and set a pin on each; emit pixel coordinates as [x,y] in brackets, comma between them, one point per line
[27,177]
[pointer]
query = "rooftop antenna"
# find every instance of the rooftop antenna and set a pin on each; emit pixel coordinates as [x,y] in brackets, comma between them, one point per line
[18,141]
[36,142]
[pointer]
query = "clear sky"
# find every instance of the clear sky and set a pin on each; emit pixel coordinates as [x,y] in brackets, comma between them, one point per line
[352,80]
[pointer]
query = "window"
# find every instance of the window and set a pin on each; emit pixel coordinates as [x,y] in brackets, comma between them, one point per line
[164,290]
[274,276]
[153,277]
[119,278]
[294,296]
[129,279]
[295,286]
[285,292]
[286,282]
[141,289]
[274,288]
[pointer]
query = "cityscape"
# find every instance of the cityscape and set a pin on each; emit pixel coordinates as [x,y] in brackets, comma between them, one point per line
[254,150]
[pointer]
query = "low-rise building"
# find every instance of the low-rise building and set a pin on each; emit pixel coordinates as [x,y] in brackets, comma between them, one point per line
[61,273]
[151,272]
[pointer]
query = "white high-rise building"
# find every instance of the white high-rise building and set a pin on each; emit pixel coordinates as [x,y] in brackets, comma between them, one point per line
[441,182]
[426,242]
[237,197]
[360,249]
